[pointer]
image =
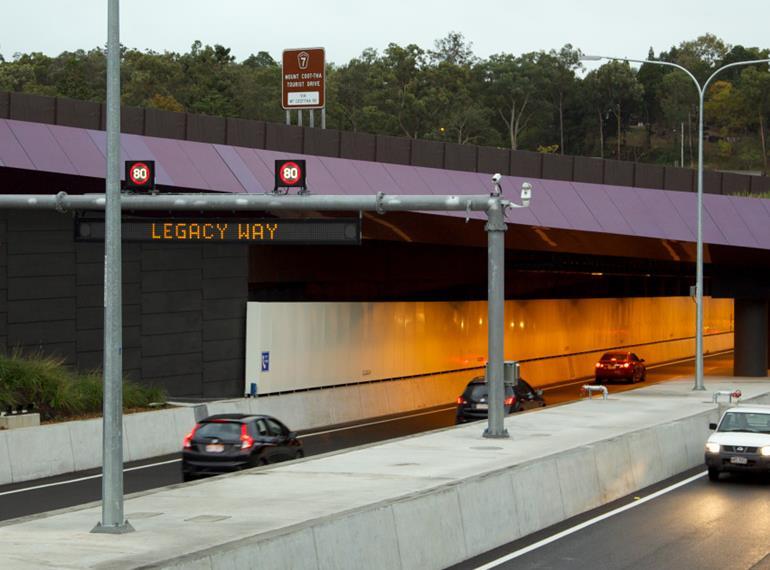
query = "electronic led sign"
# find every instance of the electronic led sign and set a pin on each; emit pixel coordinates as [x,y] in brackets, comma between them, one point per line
[327,231]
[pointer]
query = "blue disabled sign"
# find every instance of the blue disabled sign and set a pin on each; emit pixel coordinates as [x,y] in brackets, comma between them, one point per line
[266,362]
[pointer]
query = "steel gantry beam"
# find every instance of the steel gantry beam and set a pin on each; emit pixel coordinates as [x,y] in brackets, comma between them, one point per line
[493,205]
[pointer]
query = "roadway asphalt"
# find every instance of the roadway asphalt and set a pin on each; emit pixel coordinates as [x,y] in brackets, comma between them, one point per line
[31,497]
[697,525]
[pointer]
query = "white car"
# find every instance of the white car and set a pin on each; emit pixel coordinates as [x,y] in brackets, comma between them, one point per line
[741,442]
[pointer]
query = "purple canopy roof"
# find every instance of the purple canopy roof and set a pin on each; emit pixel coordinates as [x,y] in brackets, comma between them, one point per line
[728,220]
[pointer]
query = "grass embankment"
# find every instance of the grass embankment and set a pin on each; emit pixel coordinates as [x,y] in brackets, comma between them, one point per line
[59,393]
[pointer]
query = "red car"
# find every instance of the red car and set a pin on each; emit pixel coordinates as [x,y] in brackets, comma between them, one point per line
[620,366]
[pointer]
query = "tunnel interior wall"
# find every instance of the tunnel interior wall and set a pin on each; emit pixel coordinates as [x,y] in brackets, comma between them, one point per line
[314,345]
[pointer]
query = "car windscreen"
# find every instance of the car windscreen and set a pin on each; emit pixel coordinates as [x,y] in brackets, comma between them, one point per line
[615,356]
[220,430]
[476,392]
[745,422]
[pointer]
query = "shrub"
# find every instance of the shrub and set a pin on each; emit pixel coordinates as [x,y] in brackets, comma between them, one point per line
[58,392]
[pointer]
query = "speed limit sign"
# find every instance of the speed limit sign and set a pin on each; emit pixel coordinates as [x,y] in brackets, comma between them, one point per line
[140,175]
[290,174]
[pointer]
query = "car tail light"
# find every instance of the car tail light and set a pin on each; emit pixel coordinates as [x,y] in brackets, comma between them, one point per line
[187,442]
[246,440]
[510,400]
[460,400]
[598,364]
[626,365]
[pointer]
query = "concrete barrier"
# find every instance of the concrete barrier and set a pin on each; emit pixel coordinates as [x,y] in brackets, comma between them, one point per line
[422,502]
[54,449]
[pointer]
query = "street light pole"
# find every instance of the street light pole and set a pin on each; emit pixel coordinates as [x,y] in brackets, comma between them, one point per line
[112,521]
[699,242]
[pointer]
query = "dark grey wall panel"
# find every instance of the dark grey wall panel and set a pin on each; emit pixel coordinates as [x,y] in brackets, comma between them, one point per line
[618,172]
[205,128]
[32,334]
[172,280]
[680,179]
[41,311]
[557,167]
[35,108]
[223,371]
[218,350]
[760,184]
[161,259]
[224,329]
[395,150]
[224,267]
[166,124]
[358,146]
[90,296]
[171,302]
[170,344]
[460,157]
[322,142]
[223,288]
[589,169]
[285,138]
[90,273]
[75,113]
[491,160]
[41,264]
[159,366]
[242,132]
[42,288]
[89,317]
[171,323]
[526,163]
[712,182]
[46,242]
[224,309]
[735,183]
[648,176]
[5,105]
[427,153]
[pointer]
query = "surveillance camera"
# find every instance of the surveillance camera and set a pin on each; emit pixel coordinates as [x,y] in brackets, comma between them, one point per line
[496,178]
[526,194]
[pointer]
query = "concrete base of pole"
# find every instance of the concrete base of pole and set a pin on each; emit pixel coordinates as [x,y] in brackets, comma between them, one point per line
[502,435]
[124,528]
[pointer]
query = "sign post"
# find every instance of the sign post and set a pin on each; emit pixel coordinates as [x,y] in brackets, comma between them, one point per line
[304,83]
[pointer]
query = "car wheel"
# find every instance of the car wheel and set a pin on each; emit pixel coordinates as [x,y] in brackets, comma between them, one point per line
[300,454]
[262,462]
[187,477]
[643,377]
[713,474]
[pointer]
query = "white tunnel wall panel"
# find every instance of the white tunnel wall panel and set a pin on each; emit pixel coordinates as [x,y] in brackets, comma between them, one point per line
[324,344]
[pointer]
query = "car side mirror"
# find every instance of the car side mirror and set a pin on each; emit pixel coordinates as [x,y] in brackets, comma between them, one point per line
[641,360]
[712,425]
[292,435]
[539,393]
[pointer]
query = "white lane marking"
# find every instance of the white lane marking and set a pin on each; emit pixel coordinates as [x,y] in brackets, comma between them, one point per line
[88,477]
[653,367]
[315,433]
[587,523]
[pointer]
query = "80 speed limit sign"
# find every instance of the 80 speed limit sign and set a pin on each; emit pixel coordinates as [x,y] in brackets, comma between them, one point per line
[140,175]
[290,174]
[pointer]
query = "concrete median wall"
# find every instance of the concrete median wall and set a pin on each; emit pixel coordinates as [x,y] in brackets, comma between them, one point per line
[450,523]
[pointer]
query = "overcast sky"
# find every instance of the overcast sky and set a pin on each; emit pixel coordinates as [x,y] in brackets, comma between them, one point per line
[346,27]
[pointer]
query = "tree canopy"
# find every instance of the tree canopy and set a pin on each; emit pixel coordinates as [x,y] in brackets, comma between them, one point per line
[544,101]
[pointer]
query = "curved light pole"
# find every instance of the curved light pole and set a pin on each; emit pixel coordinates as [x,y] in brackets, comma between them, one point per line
[699,247]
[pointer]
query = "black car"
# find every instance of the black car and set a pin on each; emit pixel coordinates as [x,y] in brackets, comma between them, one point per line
[229,442]
[473,404]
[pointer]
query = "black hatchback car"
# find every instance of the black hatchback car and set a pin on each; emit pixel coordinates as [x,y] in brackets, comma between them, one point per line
[473,404]
[229,442]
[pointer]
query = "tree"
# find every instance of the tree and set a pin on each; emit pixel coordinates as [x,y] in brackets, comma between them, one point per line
[617,91]
[512,87]
[755,104]
[559,80]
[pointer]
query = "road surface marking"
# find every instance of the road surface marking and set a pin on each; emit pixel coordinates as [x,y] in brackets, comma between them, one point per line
[97,476]
[581,526]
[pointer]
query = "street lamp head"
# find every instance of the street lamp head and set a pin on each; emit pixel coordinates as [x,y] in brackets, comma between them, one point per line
[590,58]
